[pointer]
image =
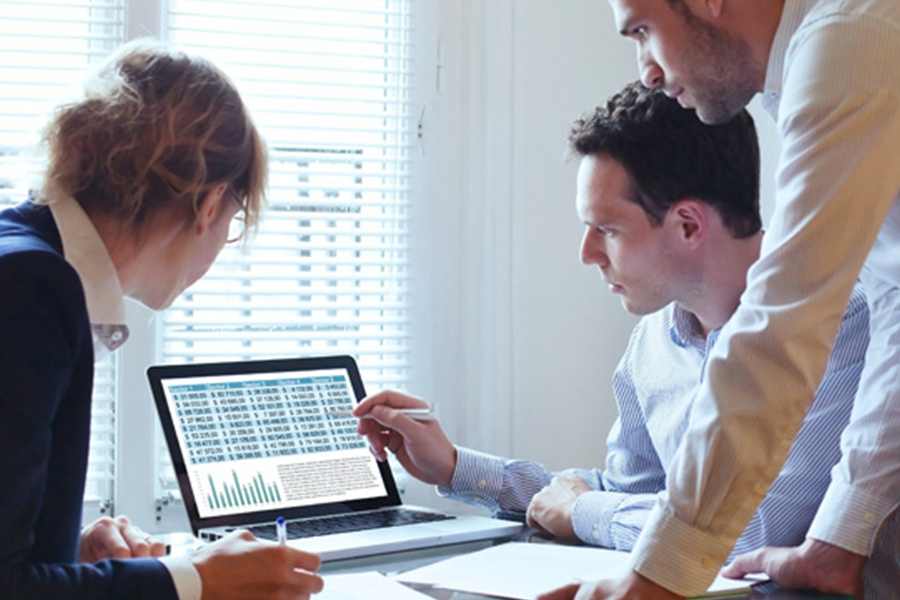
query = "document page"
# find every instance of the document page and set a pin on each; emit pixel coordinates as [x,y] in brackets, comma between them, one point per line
[521,570]
[365,586]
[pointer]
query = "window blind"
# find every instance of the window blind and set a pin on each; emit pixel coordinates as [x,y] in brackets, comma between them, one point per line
[46,49]
[102,458]
[329,84]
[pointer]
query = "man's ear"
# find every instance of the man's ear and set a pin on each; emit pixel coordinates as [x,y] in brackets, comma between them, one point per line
[689,218]
[706,9]
[209,209]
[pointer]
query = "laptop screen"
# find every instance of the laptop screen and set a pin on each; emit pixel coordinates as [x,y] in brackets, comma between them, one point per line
[266,441]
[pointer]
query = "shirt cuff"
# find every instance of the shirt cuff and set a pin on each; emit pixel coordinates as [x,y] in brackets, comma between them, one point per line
[477,477]
[187,580]
[850,518]
[679,557]
[592,517]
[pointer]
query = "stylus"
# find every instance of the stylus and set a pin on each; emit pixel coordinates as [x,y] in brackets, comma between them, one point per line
[417,414]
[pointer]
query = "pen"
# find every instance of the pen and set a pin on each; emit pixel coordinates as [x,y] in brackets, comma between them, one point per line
[281,530]
[417,414]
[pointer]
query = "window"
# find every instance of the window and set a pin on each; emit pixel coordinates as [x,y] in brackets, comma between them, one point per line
[46,48]
[329,85]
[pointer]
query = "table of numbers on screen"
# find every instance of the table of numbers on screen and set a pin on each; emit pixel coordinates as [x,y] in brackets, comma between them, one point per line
[240,420]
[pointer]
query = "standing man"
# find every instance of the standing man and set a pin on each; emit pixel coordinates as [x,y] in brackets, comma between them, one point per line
[830,76]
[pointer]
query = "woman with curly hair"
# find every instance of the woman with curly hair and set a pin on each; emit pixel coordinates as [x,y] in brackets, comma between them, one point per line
[145,175]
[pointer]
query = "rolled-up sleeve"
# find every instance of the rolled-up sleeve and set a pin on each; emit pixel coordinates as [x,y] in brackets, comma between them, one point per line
[611,519]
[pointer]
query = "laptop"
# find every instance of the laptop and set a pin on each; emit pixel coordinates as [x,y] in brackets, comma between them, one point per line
[252,441]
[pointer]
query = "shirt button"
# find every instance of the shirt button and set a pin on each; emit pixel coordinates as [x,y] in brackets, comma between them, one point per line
[482,484]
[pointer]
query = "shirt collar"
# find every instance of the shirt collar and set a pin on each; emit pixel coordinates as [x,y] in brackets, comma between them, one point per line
[791,17]
[685,328]
[686,331]
[86,252]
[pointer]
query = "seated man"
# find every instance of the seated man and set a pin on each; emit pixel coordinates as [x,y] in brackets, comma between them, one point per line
[671,210]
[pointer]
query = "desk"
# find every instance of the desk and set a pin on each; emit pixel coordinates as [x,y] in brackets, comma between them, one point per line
[756,595]
[398,562]
[404,561]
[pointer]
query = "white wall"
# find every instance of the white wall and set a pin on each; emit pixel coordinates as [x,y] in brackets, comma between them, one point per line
[569,331]
[524,338]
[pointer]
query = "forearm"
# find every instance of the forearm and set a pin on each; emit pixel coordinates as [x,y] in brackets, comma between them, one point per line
[865,485]
[495,482]
[136,579]
[611,519]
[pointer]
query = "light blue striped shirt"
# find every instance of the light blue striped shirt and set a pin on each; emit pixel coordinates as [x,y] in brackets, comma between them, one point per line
[654,387]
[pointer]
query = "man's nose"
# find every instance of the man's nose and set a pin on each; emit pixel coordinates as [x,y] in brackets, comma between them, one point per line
[592,249]
[651,73]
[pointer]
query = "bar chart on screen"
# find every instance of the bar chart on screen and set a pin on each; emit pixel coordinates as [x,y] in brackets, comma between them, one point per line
[246,490]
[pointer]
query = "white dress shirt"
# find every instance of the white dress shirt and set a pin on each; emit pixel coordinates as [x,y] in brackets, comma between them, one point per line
[86,252]
[833,85]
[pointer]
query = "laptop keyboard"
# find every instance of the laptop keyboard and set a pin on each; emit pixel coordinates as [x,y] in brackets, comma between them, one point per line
[349,522]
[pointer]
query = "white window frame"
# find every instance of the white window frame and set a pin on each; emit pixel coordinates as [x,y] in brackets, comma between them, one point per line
[134,404]
[465,264]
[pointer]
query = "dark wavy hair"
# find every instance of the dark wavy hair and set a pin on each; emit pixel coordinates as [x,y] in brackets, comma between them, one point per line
[671,155]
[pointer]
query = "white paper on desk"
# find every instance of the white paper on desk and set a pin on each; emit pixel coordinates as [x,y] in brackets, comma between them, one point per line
[365,586]
[523,571]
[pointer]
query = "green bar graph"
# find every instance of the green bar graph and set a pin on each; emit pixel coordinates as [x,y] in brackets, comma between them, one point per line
[258,491]
[237,493]
[213,496]
[237,489]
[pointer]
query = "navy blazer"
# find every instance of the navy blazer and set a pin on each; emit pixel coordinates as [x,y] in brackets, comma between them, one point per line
[46,381]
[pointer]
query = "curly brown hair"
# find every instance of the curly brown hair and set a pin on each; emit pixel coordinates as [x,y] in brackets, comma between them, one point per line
[157,129]
[670,154]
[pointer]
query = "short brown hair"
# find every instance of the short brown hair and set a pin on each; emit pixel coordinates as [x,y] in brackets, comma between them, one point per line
[157,129]
[670,155]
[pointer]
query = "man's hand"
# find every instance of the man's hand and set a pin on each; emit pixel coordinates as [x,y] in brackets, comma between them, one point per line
[550,510]
[813,565]
[631,587]
[108,538]
[240,567]
[421,447]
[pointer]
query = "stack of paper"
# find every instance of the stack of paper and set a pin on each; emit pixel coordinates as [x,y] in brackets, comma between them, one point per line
[519,570]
